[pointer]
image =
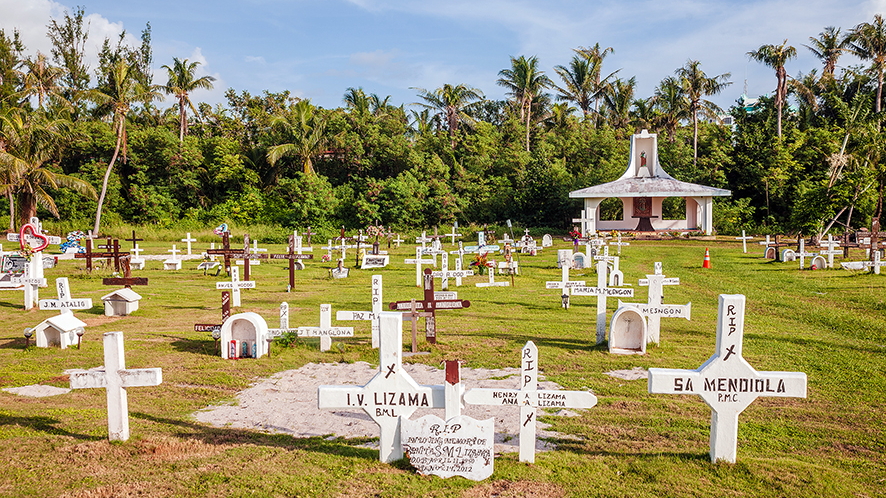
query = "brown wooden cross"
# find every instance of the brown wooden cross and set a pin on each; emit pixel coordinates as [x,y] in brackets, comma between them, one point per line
[875,237]
[127,280]
[431,304]
[114,254]
[412,316]
[226,251]
[307,233]
[212,327]
[134,240]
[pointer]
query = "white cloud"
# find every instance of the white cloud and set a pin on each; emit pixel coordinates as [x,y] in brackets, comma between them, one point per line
[259,59]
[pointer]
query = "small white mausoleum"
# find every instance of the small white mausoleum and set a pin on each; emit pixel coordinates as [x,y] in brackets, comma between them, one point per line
[58,330]
[642,189]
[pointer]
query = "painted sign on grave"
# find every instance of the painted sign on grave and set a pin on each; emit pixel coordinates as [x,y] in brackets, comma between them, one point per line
[460,446]
[726,382]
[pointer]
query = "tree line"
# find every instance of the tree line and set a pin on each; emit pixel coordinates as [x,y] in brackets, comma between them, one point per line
[90,145]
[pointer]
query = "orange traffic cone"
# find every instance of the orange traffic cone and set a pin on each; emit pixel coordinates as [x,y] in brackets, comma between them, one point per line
[707,259]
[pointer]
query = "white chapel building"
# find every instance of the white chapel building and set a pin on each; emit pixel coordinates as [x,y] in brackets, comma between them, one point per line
[641,189]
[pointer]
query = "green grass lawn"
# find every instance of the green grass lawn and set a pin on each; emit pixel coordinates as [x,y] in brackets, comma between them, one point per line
[829,324]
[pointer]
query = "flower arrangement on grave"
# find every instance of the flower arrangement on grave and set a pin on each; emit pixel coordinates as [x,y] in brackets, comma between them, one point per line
[481,262]
[73,242]
[221,229]
[325,258]
[26,251]
[575,234]
[375,231]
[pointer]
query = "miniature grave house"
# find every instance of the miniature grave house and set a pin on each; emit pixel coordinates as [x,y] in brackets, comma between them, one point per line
[121,302]
[58,330]
[641,190]
[243,336]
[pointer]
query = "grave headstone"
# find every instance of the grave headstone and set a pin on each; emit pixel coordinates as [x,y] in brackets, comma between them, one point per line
[458,446]
[564,282]
[391,395]
[325,331]
[115,379]
[454,234]
[529,398]
[32,240]
[831,250]
[726,382]
[547,240]
[627,331]
[602,292]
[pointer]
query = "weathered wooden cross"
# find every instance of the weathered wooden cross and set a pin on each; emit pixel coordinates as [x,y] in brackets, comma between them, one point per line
[391,394]
[115,378]
[726,382]
[529,398]
[372,316]
[432,304]
[127,280]
[215,328]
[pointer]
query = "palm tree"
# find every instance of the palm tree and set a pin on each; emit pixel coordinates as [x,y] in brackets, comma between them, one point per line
[578,83]
[307,131]
[182,80]
[775,56]
[868,42]
[600,85]
[671,106]
[525,82]
[116,97]
[696,86]
[453,104]
[41,79]
[356,101]
[828,48]
[618,100]
[31,143]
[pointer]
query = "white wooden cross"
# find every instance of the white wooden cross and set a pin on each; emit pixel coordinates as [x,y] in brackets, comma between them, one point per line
[31,284]
[564,284]
[744,241]
[418,262]
[174,252]
[373,315]
[860,265]
[765,245]
[115,378]
[187,240]
[726,382]
[235,285]
[137,262]
[453,234]
[655,309]
[329,247]
[461,252]
[65,303]
[619,244]
[325,331]
[831,250]
[585,221]
[255,247]
[802,254]
[602,292]
[445,273]
[424,239]
[392,393]
[529,398]
[172,263]
[492,282]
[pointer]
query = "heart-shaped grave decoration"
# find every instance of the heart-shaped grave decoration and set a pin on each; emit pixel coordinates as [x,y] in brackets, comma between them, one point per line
[23,241]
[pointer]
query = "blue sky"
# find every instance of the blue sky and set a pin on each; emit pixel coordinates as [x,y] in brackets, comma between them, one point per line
[318,48]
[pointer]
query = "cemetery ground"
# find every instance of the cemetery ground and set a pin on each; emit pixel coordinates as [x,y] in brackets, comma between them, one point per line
[830,324]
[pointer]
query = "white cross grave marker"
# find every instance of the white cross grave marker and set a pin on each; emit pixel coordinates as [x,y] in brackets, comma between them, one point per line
[325,331]
[368,315]
[445,273]
[564,283]
[492,282]
[172,263]
[602,292]
[744,241]
[619,244]
[529,398]
[418,262]
[765,245]
[187,240]
[65,303]
[831,250]
[115,378]
[235,285]
[585,221]
[453,234]
[392,393]
[655,309]
[34,272]
[803,254]
[726,382]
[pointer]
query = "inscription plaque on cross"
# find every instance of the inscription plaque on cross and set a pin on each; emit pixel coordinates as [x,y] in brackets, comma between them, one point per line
[432,304]
[325,331]
[115,378]
[372,316]
[392,393]
[235,285]
[529,398]
[444,274]
[726,382]
[65,303]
